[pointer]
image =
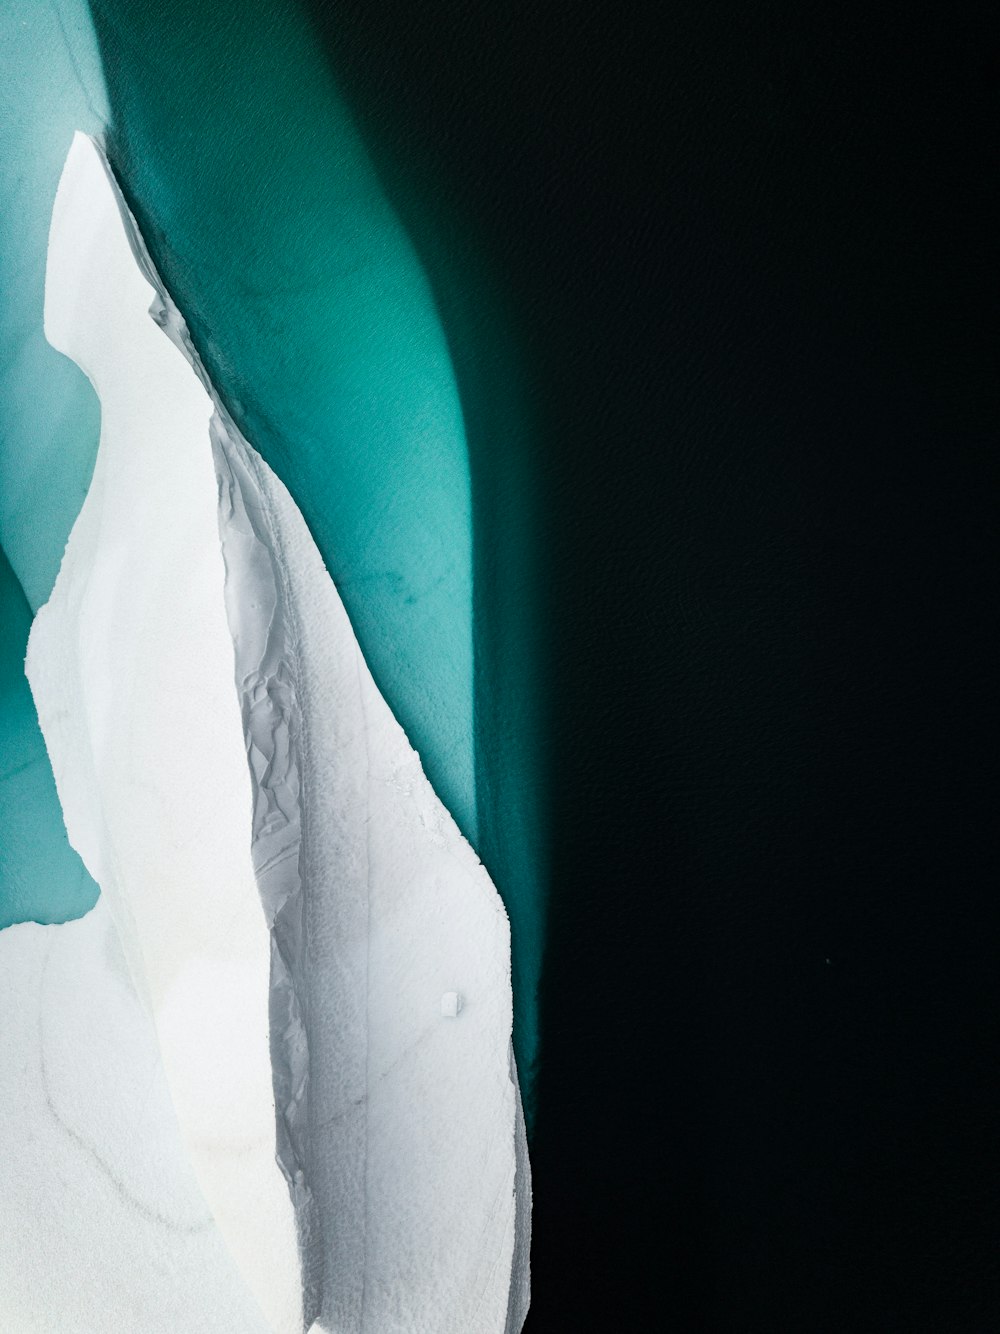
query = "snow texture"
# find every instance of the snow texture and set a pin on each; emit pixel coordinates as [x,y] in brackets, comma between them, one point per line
[381,1183]
[379,904]
[104,1228]
[131,666]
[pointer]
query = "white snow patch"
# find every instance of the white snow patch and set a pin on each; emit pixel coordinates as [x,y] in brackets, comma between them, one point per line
[104,1228]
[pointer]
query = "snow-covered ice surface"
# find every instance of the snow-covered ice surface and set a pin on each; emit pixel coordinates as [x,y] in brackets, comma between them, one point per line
[381,1183]
[407,1136]
[104,1228]
[131,666]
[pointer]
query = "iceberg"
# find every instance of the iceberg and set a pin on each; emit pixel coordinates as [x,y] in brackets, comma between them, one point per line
[323,958]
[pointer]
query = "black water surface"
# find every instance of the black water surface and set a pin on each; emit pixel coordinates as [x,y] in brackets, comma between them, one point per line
[747,251]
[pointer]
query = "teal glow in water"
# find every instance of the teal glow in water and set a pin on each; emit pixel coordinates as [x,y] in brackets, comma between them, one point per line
[41,878]
[49,426]
[49,415]
[317,321]
[317,324]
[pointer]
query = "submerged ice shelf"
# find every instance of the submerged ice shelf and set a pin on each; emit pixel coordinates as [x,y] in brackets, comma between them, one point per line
[361,1149]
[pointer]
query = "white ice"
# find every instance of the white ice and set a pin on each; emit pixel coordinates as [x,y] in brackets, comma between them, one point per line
[412,1117]
[373,988]
[104,1229]
[131,666]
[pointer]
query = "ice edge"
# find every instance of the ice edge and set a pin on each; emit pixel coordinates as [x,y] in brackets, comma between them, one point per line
[267,708]
[265,661]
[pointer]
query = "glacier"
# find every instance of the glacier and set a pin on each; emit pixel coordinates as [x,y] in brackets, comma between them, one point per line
[324,960]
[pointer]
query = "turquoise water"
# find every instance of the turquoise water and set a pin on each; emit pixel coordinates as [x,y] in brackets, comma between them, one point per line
[41,877]
[316,317]
[316,321]
[49,425]
[49,415]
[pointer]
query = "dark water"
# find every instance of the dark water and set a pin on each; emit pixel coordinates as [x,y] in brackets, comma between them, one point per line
[739,436]
[749,256]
